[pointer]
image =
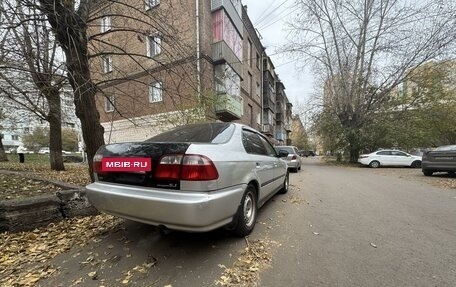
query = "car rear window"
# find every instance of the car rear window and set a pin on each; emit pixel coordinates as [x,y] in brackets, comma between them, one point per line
[446,147]
[290,150]
[198,133]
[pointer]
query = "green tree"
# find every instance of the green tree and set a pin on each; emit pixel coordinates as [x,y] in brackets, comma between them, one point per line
[69,139]
[38,138]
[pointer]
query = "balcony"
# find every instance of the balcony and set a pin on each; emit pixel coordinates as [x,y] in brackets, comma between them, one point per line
[280,136]
[231,11]
[228,107]
[222,53]
[279,116]
[268,104]
[268,129]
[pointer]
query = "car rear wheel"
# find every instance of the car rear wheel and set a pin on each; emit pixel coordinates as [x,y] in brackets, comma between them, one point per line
[427,172]
[246,215]
[286,183]
[374,164]
[416,164]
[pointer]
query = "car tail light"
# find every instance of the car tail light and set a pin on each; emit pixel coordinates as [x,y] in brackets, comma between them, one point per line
[186,167]
[363,156]
[294,157]
[97,166]
[198,167]
[169,167]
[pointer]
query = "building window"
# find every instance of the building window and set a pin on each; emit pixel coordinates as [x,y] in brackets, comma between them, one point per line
[26,130]
[107,63]
[249,53]
[109,103]
[151,4]
[105,24]
[258,90]
[258,60]
[250,85]
[15,137]
[250,114]
[155,92]
[153,45]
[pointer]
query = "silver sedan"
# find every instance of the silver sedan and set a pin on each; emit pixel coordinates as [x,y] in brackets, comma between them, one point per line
[194,178]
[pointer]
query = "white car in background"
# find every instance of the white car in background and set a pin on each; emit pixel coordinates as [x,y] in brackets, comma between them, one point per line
[44,150]
[390,158]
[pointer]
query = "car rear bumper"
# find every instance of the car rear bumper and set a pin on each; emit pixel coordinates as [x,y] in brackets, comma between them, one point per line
[364,161]
[180,210]
[438,166]
[293,164]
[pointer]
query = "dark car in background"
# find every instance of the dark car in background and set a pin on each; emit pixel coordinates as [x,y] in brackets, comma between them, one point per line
[442,159]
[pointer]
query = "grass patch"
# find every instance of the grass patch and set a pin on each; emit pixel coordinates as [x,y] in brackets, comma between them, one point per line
[15,187]
[30,158]
[38,165]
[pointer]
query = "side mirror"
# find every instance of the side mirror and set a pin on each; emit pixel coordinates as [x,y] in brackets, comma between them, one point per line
[283,153]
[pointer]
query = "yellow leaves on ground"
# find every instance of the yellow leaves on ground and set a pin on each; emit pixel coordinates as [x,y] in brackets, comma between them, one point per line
[245,270]
[25,255]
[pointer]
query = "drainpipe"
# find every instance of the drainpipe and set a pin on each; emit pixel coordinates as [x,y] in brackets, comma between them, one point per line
[198,48]
[262,92]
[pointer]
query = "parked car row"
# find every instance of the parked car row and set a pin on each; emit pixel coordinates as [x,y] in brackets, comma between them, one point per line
[441,159]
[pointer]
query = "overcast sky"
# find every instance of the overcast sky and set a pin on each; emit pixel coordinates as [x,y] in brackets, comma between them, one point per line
[269,17]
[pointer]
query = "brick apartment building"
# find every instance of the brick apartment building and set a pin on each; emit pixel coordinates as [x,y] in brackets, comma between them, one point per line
[164,63]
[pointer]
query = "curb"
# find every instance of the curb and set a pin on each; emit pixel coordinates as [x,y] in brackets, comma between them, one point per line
[30,213]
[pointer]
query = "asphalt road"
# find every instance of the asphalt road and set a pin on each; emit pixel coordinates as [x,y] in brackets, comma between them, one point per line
[337,226]
[365,229]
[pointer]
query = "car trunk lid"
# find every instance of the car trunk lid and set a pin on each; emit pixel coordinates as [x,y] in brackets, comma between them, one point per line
[147,150]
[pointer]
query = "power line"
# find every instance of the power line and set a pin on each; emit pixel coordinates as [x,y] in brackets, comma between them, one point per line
[272,23]
[265,17]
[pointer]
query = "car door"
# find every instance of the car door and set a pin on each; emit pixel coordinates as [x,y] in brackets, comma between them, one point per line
[264,164]
[400,158]
[280,166]
[384,157]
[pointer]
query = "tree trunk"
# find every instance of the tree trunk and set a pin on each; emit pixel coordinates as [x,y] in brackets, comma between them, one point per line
[354,147]
[2,150]
[55,130]
[70,28]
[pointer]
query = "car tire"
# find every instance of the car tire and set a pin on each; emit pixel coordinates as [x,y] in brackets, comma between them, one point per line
[374,164]
[299,168]
[428,172]
[416,164]
[245,218]
[286,184]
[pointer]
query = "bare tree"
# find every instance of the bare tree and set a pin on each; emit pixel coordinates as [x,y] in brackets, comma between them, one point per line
[3,156]
[76,25]
[31,75]
[363,49]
